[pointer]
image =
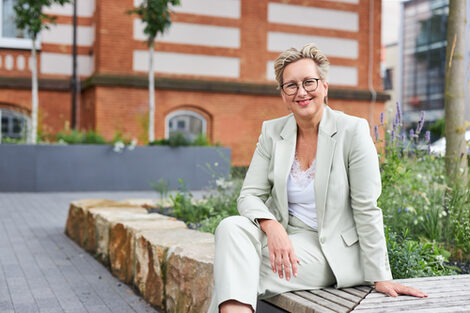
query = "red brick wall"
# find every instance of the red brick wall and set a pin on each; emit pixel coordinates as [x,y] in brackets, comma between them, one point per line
[233,120]
[54,107]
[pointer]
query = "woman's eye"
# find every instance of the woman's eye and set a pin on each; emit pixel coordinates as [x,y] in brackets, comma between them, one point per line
[291,85]
[309,82]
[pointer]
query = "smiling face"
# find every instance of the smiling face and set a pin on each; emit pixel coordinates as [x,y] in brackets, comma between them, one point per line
[306,105]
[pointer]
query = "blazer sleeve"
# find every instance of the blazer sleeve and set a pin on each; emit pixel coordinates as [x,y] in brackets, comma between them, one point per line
[257,187]
[365,188]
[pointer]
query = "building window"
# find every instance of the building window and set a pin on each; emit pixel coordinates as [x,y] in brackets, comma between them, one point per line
[388,79]
[10,35]
[190,124]
[14,125]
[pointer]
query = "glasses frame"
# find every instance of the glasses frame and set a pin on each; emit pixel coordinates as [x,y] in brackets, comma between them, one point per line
[303,86]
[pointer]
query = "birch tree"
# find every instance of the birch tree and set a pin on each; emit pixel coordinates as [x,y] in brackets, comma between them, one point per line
[155,14]
[456,158]
[29,18]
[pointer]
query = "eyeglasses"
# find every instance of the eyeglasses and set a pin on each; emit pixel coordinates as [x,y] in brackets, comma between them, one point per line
[291,88]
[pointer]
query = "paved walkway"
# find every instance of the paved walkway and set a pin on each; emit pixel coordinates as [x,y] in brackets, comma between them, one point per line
[42,270]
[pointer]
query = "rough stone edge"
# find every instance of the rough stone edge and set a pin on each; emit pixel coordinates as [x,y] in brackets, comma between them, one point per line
[79,217]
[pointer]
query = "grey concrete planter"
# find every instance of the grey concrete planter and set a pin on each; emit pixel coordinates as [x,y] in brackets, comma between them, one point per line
[99,168]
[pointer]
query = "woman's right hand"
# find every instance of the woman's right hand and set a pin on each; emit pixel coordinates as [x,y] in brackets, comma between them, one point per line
[281,252]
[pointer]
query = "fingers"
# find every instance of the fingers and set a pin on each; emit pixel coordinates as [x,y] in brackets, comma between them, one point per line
[281,263]
[294,262]
[393,289]
[407,290]
[287,265]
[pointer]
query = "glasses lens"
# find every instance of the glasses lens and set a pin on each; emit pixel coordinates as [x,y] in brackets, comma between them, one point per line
[310,84]
[290,88]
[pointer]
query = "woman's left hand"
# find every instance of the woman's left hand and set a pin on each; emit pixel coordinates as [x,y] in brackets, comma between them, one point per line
[394,289]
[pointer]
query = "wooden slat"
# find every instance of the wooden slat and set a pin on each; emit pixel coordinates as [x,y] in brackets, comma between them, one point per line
[355,292]
[378,297]
[364,288]
[294,303]
[415,302]
[423,306]
[445,294]
[334,298]
[322,301]
[441,296]
[439,278]
[343,294]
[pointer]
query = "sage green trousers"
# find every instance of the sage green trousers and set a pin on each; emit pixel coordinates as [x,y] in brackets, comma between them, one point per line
[242,270]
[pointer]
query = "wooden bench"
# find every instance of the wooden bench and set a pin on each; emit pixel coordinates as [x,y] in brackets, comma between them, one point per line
[445,294]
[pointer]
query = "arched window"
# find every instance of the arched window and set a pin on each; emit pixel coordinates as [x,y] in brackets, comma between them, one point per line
[13,124]
[188,123]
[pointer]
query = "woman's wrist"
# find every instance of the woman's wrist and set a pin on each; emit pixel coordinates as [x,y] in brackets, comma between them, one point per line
[266,224]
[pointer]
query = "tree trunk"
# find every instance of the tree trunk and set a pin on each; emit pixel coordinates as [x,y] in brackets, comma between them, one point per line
[151,96]
[456,158]
[35,101]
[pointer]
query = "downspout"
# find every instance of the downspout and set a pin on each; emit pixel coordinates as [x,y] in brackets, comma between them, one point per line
[372,91]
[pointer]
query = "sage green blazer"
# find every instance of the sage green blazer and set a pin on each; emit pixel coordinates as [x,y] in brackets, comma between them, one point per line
[347,186]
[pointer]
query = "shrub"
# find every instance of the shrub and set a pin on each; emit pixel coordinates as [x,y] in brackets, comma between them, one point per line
[80,137]
[410,258]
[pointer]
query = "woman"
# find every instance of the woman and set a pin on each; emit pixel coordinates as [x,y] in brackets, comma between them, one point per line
[308,204]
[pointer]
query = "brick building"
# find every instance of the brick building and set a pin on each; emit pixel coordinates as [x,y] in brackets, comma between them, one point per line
[214,68]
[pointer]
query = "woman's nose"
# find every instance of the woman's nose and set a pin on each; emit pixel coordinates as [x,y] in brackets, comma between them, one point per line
[301,90]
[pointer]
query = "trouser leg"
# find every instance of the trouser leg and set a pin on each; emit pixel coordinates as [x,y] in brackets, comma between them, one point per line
[238,246]
[242,270]
[313,269]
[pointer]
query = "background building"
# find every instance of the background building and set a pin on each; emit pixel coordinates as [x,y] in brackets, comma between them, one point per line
[214,68]
[422,57]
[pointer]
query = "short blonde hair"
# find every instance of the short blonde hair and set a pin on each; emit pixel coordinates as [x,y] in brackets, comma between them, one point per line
[309,51]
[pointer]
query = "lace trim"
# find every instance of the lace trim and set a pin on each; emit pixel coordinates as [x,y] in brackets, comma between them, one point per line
[303,178]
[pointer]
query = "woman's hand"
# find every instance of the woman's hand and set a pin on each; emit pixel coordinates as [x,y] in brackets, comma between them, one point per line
[281,251]
[394,289]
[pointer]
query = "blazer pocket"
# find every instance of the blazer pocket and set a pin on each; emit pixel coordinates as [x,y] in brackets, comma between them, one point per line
[350,236]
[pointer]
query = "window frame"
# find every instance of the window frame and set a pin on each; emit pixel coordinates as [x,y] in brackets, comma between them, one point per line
[10,115]
[16,43]
[184,112]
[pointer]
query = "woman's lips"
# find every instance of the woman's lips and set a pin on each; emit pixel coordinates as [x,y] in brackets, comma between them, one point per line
[304,102]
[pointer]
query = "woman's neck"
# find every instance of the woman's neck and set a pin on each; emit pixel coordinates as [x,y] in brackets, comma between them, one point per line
[308,128]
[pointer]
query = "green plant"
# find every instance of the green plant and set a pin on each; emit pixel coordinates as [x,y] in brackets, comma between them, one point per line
[410,258]
[178,140]
[80,137]
[201,140]
[416,198]
[438,128]
[162,187]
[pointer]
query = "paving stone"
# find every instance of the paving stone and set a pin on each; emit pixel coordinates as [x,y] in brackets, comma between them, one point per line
[46,259]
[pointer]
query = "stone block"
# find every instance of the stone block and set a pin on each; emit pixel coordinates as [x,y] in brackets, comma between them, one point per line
[101,219]
[153,250]
[189,278]
[122,241]
[79,226]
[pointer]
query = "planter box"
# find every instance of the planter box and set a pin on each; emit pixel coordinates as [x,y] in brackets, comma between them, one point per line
[99,168]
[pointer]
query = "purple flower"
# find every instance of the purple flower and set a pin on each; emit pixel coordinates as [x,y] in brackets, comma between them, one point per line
[420,123]
[399,113]
[376,131]
[393,135]
[406,210]
[399,210]
[427,136]
[382,118]
[412,134]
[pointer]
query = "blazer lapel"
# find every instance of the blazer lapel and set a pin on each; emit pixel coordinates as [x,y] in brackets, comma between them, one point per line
[325,151]
[283,158]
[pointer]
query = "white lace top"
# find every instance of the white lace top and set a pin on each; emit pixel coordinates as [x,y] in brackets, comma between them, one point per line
[300,194]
